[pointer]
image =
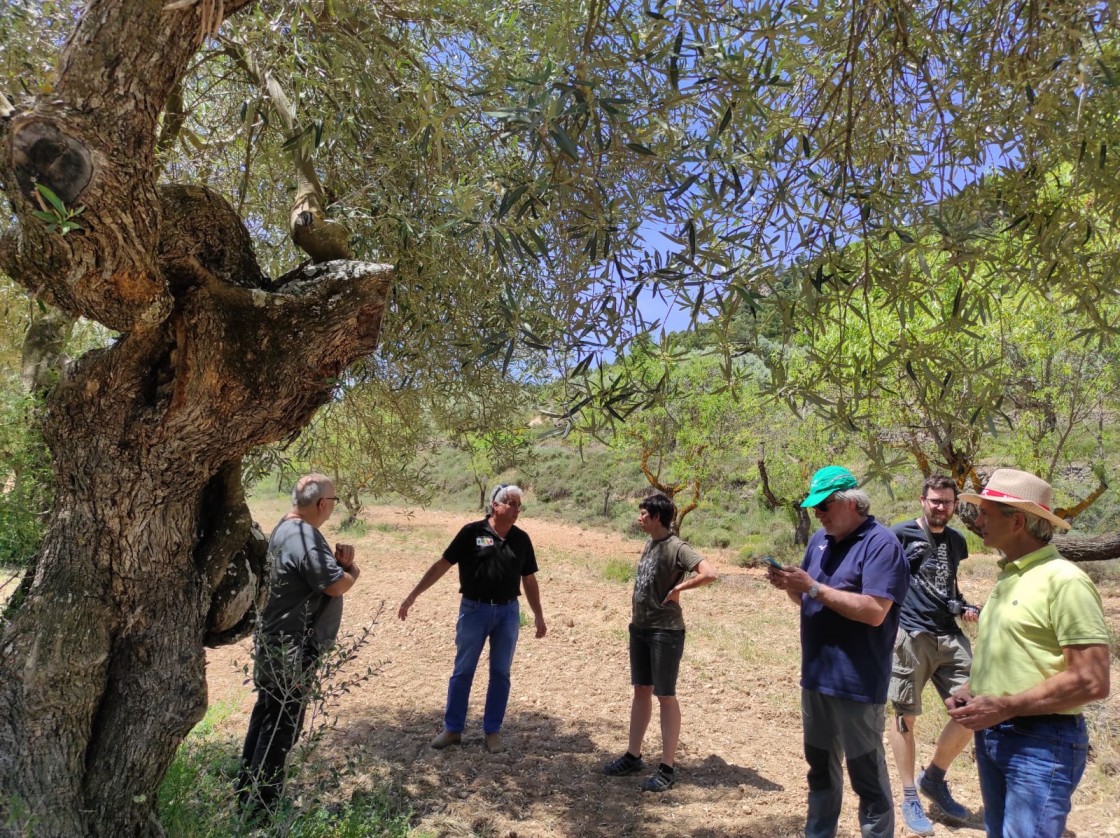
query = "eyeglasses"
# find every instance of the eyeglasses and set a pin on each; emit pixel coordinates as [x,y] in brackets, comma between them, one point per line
[516,504]
[944,503]
[824,505]
[334,499]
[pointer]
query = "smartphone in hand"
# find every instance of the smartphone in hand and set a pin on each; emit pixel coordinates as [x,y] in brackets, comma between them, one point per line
[770,560]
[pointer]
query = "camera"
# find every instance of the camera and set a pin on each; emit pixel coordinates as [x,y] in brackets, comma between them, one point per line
[955,607]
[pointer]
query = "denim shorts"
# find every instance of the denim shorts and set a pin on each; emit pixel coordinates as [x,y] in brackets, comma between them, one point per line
[655,658]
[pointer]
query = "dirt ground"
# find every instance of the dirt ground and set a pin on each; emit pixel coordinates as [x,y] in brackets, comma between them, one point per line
[740,769]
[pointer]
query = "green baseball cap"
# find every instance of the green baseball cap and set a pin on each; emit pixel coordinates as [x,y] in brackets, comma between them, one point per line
[826,481]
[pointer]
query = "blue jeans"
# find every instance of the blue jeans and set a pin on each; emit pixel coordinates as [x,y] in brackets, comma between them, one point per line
[479,621]
[1029,767]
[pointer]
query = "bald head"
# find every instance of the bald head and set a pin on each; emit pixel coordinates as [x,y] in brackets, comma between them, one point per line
[313,499]
[310,488]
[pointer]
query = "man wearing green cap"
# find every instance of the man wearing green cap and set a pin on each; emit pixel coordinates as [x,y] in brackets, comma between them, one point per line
[849,587]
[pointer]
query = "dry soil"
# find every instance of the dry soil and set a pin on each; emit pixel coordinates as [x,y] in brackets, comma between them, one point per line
[740,767]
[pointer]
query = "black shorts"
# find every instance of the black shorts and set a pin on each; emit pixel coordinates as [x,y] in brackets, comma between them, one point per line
[655,658]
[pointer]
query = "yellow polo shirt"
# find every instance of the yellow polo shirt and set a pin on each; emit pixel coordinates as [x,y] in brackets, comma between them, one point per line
[1040,603]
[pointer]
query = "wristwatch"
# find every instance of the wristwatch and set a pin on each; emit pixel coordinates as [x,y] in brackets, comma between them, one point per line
[815,591]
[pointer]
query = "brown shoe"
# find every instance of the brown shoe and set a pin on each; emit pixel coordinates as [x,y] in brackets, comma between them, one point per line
[446,738]
[494,743]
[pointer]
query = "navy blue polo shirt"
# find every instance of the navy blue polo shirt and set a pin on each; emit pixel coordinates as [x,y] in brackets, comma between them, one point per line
[842,657]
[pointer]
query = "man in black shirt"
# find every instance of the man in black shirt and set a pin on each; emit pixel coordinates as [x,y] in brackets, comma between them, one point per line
[494,557]
[930,645]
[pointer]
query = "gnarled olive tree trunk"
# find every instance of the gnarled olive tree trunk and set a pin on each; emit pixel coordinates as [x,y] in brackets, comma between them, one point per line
[149,552]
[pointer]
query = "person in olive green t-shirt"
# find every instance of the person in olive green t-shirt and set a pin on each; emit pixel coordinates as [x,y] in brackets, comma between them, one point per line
[667,567]
[1042,653]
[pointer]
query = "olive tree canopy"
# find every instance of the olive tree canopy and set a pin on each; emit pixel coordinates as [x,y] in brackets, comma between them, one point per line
[470,184]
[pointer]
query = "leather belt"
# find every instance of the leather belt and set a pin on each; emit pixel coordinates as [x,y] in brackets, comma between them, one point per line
[491,601]
[1046,719]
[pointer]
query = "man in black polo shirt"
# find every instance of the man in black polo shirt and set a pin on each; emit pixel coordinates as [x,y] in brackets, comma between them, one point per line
[494,557]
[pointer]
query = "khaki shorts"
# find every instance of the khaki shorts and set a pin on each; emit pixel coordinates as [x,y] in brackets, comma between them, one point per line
[920,657]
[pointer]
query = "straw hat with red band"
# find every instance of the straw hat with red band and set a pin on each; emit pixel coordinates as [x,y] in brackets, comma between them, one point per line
[1021,490]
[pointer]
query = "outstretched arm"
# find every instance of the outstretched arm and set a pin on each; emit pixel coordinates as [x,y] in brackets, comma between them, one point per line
[430,577]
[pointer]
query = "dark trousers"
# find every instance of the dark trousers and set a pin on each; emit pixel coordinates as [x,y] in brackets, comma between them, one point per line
[274,727]
[836,728]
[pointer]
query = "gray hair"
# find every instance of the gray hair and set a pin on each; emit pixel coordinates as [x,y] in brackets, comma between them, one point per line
[862,499]
[502,492]
[309,489]
[1039,527]
[1036,525]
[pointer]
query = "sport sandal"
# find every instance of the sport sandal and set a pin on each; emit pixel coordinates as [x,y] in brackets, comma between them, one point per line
[622,766]
[660,780]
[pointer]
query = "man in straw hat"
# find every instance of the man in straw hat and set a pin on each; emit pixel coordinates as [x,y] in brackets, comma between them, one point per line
[1041,655]
[849,587]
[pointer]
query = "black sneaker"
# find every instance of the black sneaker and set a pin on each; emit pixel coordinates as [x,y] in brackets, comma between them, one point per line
[660,780]
[622,766]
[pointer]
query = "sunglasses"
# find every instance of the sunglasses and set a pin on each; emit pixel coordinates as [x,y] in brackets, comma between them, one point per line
[824,505]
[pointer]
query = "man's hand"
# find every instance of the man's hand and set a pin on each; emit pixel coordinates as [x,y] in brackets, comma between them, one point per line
[978,712]
[793,580]
[958,699]
[402,612]
[344,555]
[542,629]
[780,579]
[971,614]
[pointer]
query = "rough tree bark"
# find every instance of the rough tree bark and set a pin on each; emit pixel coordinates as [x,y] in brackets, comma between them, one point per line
[150,551]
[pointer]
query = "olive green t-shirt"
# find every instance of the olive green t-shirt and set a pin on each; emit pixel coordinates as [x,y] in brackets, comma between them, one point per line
[663,565]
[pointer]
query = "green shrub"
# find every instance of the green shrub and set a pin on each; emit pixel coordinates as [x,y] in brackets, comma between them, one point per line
[355,528]
[26,480]
[197,798]
[618,570]
[755,545]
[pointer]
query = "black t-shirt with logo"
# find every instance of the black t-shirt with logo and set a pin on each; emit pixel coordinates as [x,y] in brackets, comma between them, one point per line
[490,567]
[934,560]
